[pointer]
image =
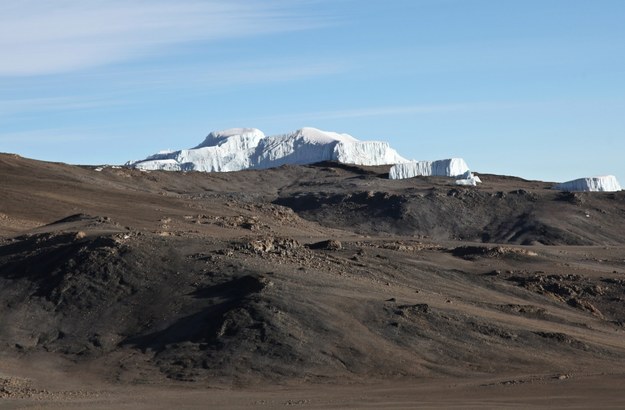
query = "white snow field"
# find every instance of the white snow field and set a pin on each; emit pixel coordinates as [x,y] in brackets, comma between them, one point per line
[452,167]
[248,148]
[605,183]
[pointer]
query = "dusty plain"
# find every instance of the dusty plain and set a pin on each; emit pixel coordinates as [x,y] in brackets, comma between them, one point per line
[320,286]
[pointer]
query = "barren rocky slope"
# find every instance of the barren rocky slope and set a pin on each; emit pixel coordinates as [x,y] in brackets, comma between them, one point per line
[308,273]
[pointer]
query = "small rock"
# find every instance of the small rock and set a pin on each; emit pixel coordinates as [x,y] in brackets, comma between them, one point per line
[329,245]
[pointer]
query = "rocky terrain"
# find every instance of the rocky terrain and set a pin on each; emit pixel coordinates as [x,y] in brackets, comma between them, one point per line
[119,281]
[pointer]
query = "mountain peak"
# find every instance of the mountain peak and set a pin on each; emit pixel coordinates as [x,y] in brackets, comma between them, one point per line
[216,137]
[236,149]
[316,135]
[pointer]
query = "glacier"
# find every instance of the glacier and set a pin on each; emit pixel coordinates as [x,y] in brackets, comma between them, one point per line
[237,149]
[468,179]
[604,183]
[451,167]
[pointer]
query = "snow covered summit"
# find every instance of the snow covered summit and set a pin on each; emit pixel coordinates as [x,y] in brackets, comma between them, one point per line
[248,148]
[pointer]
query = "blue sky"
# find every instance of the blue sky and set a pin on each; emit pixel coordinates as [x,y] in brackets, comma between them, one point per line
[518,87]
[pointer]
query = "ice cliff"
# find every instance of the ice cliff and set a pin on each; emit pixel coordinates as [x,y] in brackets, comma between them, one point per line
[606,183]
[452,167]
[248,148]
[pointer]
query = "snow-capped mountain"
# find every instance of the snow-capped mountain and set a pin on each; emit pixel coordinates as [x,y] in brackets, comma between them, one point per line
[605,183]
[248,148]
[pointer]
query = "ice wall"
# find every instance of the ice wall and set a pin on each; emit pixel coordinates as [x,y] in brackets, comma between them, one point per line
[605,183]
[453,167]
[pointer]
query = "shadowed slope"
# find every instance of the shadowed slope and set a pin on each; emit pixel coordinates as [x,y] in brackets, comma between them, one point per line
[306,273]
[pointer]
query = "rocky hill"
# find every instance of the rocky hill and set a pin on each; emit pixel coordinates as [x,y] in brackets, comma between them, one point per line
[310,273]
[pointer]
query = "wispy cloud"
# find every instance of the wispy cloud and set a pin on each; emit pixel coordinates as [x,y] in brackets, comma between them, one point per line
[127,87]
[13,107]
[224,74]
[380,111]
[416,109]
[51,136]
[53,36]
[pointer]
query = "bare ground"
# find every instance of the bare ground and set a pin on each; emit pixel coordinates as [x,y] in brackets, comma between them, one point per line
[324,286]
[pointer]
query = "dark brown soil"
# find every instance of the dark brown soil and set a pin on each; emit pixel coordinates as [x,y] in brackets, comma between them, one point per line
[304,274]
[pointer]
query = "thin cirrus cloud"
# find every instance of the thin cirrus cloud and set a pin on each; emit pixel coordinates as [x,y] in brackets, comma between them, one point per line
[130,83]
[500,106]
[39,37]
[14,107]
[52,136]
[225,75]
[386,111]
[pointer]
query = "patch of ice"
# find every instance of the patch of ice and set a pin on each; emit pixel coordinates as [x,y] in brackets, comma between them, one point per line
[605,183]
[468,179]
[453,167]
